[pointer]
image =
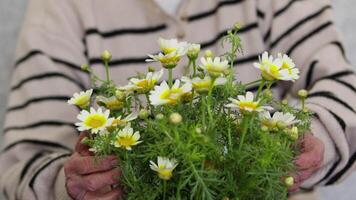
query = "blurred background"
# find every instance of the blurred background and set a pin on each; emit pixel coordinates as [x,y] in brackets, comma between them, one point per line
[12,13]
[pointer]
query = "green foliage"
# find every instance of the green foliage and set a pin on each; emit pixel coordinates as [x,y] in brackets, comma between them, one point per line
[220,152]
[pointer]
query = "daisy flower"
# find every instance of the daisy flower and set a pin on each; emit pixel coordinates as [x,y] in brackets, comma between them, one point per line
[272,68]
[146,84]
[247,103]
[163,94]
[111,103]
[172,45]
[203,85]
[95,121]
[172,51]
[215,67]
[164,167]
[279,119]
[118,121]
[81,99]
[126,138]
[168,61]
[287,63]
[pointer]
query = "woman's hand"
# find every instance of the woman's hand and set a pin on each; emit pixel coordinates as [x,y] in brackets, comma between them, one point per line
[310,160]
[90,178]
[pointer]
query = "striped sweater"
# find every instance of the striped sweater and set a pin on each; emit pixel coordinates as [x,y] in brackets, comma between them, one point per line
[58,36]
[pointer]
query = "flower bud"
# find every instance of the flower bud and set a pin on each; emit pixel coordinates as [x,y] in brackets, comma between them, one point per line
[85,67]
[302,93]
[159,116]
[289,181]
[151,69]
[106,56]
[264,128]
[198,130]
[285,102]
[143,113]
[237,26]
[208,54]
[293,133]
[268,93]
[175,118]
[120,95]
[193,51]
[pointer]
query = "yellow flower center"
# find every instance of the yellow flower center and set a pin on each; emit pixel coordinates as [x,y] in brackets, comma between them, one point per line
[273,72]
[95,121]
[168,50]
[248,105]
[202,85]
[126,141]
[164,173]
[82,101]
[172,95]
[146,84]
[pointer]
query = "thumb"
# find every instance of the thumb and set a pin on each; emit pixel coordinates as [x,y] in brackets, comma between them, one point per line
[81,148]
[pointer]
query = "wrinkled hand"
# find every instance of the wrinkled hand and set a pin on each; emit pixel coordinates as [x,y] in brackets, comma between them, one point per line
[310,160]
[90,178]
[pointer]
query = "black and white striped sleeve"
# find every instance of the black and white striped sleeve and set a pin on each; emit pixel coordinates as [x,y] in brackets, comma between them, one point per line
[38,132]
[305,30]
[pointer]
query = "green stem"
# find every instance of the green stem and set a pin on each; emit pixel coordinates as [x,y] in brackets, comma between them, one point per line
[107,71]
[245,125]
[170,77]
[229,139]
[164,189]
[194,69]
[252,83]
[203,105]
[260,89]
[269,85]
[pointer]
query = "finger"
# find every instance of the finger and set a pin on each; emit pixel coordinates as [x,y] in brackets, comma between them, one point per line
[89,164]
[112,195]
[312,153]
[308,160]
[81,148]
[98,181]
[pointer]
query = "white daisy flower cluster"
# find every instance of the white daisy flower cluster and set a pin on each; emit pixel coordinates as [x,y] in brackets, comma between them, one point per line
[281,68]
[126,123]
[172,51]
[247,103]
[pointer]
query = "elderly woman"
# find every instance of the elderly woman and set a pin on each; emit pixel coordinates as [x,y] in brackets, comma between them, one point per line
[40,160]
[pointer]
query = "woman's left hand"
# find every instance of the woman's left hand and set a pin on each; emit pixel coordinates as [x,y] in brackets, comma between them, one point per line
[310,160]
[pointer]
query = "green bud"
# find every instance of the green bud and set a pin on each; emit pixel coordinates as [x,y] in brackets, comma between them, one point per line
[294,133]
[120,95]
[208,54]
[143,113]
[237,26]
[85,67]
[159,116]
[198,130]
[175,118]
[268,93]
[106,56]
[289,181]
[285,102]
[193,51]
[303,93]
[264,128]
[151,69]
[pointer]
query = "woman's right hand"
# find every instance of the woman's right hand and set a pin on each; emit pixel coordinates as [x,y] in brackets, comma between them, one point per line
[90,178]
